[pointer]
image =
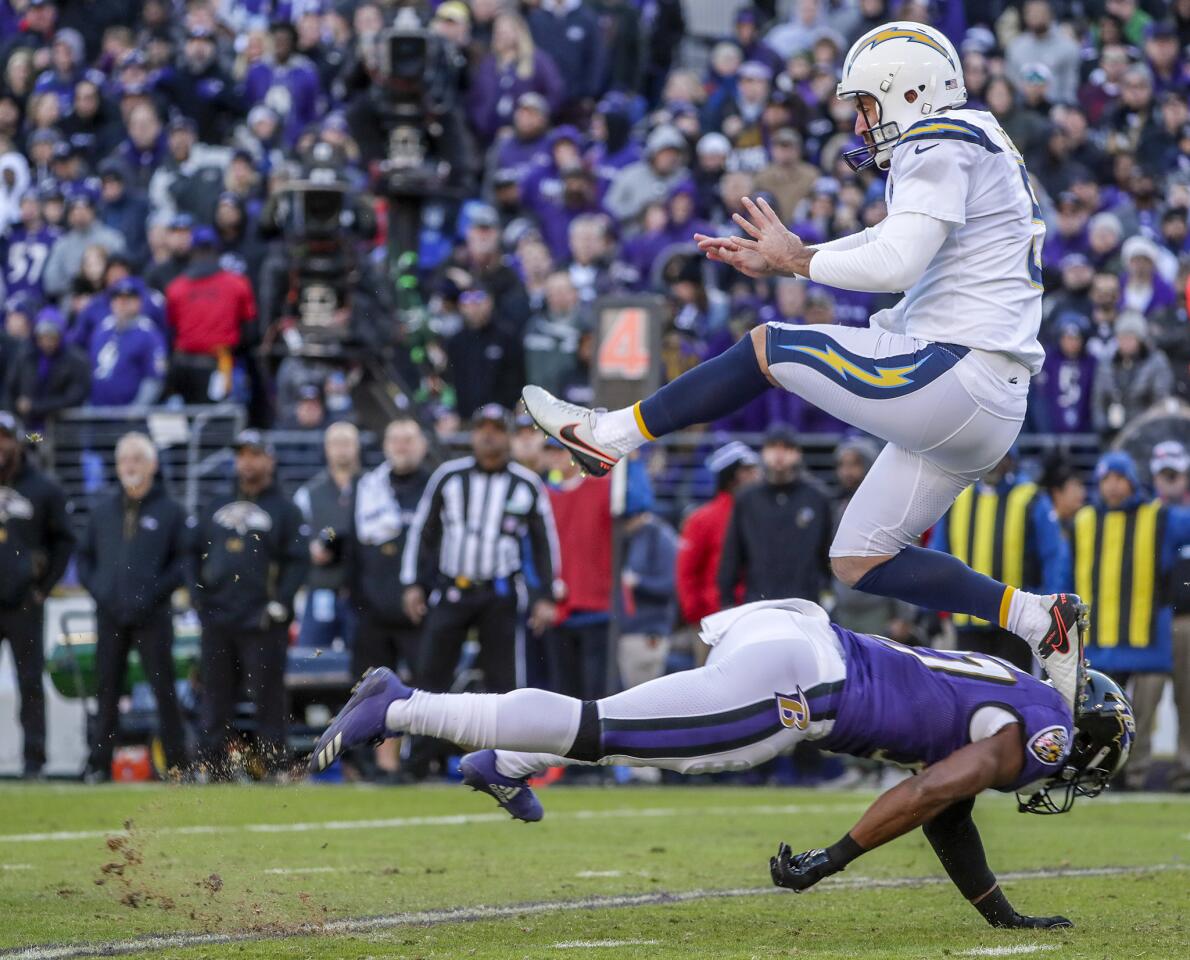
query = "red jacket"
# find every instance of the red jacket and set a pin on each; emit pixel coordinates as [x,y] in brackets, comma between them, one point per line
[698,558]
[208,313]
[582,514]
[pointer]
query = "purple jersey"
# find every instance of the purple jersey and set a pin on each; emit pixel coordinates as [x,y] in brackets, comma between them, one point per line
[25,256]
[914,705]
[123,358]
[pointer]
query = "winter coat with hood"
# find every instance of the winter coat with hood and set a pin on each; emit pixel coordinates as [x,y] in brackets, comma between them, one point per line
[1129,385]
[14,181]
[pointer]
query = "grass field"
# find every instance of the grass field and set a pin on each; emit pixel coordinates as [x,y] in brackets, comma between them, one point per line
[343,872]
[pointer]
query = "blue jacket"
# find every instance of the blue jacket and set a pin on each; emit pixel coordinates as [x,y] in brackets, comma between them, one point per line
[1052,545]
[652,555]
[1044,542]
[572,39]
[1158,657]
[128,216]
[141,164]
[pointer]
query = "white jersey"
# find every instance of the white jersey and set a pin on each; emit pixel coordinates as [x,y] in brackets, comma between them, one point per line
[983,288]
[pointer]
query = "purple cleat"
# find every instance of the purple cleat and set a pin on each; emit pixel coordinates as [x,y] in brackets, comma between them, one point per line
[516,796]
[362,718]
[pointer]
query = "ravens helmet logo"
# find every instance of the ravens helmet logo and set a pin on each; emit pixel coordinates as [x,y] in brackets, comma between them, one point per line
[243,516]
[14,506]
[1050,745]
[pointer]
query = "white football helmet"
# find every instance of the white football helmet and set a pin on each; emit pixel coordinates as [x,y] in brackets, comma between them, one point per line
[911,71]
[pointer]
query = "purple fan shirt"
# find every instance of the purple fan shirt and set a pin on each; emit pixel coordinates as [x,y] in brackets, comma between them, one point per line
[24,258]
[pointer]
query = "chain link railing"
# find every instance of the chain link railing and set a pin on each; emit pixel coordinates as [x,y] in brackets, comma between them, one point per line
[196,457]
[79,448]
[681,480]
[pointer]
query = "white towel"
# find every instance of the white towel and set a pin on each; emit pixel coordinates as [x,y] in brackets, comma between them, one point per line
[377,513]
[715,627]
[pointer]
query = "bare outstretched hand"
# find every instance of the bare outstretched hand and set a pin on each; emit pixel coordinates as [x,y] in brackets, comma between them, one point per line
[768,249]
[723,250]
[781,249]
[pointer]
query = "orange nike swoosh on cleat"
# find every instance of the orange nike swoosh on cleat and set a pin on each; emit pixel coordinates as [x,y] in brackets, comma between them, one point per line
[1063,644]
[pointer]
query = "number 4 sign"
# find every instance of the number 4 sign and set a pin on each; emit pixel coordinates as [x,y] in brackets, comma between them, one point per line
[628,349]
[624,350]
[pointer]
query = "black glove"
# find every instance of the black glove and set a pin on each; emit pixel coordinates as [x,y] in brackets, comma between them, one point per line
[800,871]
[1019,922]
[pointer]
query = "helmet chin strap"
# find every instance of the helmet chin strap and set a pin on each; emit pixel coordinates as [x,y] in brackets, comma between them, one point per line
[864,110]
[881,155]
[1098,758]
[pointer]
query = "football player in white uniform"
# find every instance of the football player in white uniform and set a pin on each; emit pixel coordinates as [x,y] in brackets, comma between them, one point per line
[943,376]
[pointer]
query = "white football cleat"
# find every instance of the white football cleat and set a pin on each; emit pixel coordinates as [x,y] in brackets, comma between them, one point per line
[1061,649]
[572,426]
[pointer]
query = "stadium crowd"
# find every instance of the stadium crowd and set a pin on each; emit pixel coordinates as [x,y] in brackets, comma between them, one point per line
[143,147]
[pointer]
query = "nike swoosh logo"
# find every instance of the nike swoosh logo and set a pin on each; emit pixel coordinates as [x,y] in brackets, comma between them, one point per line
[1061,642]
[567,434]
[924,149]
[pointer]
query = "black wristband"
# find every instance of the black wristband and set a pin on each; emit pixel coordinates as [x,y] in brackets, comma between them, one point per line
[842,853]
[996,909]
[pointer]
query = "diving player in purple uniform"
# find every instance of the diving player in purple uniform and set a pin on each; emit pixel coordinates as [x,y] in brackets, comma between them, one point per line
[780,672]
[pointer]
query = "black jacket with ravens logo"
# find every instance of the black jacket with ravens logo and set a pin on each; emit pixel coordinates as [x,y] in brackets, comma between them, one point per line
[248,553]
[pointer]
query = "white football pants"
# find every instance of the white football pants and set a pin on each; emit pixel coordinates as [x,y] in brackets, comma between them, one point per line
[948,413]
[774,678]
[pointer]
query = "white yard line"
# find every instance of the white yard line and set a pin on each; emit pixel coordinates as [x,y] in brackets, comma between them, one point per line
[587,874]
[5,867]
[1015,951]
[449,820]
[429,918]
[458,819]
[100,834]
[287,871]
[590,944]
[1124,799]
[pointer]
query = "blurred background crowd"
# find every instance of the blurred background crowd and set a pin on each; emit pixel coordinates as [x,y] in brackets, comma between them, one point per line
[381,219]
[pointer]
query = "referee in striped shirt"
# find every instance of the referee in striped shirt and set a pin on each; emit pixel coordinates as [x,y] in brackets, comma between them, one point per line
[480,526]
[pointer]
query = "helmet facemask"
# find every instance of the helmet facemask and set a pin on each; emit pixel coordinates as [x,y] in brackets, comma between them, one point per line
[1104,730]
[879,138]
[1080,777]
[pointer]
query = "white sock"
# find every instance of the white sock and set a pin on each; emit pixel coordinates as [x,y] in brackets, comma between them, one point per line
[617,431]
[518,765]
[1029,615]
[529,720]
